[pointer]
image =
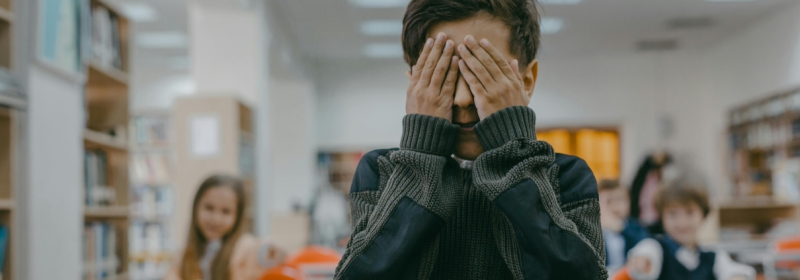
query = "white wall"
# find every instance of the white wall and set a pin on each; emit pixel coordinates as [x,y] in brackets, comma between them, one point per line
[361,104]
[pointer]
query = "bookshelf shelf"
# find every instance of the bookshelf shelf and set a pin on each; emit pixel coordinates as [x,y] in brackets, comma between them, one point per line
[13,102]
[106,75]
[7,204]
[95,139]
[6,15]
[106,212]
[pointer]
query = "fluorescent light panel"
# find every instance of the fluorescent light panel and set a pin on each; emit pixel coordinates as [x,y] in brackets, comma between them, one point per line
[559,2]
[382,27]
[139,12]
[379,3]
[551,25]
[162,40]
[383,50]
[720,1]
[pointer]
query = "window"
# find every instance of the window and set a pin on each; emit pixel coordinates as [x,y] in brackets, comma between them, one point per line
[598,147]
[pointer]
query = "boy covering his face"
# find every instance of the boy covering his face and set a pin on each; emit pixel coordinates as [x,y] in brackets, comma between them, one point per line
[470,193]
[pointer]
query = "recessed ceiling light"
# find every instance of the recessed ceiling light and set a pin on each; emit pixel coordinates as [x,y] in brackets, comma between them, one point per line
[551,25]
[138,12]
[162,40]
[382,27]
[559,2]
[380,3]
[730,0]
[383,50]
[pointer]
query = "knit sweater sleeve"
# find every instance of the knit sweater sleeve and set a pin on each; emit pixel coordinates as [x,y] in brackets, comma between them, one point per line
[547,222]
[400,200]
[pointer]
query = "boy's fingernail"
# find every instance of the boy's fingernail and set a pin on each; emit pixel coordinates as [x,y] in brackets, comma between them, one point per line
[470,39]
[429,42]
[448,44]
[462,48]
[440,37]
[484,42]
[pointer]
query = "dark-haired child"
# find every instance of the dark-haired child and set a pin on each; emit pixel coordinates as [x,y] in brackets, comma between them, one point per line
[620,232]
[470,193]
[676,255]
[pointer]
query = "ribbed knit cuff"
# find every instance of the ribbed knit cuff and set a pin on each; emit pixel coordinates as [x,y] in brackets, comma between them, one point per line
[428,134]
[509,124]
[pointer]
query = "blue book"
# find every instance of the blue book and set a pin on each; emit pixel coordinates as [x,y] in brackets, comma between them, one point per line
[3,245]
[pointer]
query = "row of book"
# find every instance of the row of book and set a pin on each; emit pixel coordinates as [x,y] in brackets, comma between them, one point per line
[770,108]
[765,135]
[149,241]
[106,43]
[149,270]
[97,193]
[100,257]
[152,203]
[151,131]
[150,169]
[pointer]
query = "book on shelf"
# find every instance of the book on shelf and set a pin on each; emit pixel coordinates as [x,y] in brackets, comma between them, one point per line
[151,131]
[9,85]
[100,251]
[152,202]
[97,193]
[105,38]
[151,169]
[3,247]
[148,241]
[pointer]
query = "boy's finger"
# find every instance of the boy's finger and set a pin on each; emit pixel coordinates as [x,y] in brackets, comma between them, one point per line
[515,68]
[498,58]
[433,59]
[474,65]
[417,69]
[474,83]
[486,60]
[449,85]
[442,66]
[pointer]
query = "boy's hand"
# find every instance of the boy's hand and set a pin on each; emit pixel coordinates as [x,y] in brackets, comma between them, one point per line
[640,265]
[433,80]
[495,83]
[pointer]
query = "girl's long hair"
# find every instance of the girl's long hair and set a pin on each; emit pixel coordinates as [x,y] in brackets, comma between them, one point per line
[196,244]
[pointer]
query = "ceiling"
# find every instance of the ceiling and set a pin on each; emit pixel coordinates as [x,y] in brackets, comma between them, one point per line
[170,16]
[331,29]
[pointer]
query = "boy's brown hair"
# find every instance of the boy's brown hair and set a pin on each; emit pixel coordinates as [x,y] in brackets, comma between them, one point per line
[521,17]
[684,194]
[608,185]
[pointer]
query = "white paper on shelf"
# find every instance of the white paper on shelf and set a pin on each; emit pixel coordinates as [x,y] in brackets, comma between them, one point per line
[205,136]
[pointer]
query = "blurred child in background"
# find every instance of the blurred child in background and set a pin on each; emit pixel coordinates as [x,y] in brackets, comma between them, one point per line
[675,255]
[620,232]
[217,247]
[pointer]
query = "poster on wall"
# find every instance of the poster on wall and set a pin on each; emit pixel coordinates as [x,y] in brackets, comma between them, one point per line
[63,26]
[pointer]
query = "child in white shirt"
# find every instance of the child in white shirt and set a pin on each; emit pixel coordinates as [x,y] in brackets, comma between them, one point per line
[675,255]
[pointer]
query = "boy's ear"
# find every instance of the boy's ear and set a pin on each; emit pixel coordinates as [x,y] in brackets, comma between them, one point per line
[530,76]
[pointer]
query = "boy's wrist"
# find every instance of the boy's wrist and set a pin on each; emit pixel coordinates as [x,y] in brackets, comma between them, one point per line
[428,134]
[506,125]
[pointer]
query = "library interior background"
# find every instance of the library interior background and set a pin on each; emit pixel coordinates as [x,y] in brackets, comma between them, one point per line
[112,113]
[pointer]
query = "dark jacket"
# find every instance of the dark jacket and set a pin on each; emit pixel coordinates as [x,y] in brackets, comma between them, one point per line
[520,211]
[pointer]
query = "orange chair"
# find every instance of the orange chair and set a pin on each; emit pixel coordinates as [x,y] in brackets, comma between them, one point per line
[313,262]
[783,258]
[622,274]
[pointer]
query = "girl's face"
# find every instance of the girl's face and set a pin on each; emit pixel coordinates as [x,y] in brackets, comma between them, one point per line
[216,212]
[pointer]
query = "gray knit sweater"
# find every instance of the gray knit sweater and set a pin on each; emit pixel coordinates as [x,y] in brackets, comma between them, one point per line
[520,212]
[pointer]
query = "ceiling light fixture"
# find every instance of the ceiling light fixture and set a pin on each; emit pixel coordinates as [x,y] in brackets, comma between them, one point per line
[162,40]
[379,3]
[559,2]
[720,1]
[139,12]
[382,27]
[551,25]
[383,50]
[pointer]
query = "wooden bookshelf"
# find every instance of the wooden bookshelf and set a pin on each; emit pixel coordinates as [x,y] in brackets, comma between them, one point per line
[8,137]
[105,139]
[764,135]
